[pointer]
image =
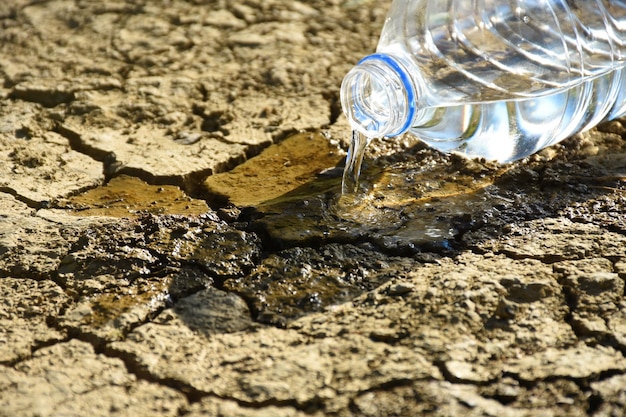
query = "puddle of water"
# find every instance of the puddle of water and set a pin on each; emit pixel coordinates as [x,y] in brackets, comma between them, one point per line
[278,170]
[126,196]
[412,202]
[402,202]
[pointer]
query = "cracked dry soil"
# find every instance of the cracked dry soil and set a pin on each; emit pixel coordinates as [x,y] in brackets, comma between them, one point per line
[169,246]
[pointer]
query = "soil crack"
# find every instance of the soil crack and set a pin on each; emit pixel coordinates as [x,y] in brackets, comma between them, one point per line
[29,202]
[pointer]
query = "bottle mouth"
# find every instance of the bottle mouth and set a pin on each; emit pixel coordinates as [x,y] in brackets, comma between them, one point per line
[378,97]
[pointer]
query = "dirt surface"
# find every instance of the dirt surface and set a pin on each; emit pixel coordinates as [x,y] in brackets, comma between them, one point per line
[173,241]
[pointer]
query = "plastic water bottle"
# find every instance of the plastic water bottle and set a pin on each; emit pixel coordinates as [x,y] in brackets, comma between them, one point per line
[499,79]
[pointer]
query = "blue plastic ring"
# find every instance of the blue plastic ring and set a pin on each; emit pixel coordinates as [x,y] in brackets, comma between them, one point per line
[408,86]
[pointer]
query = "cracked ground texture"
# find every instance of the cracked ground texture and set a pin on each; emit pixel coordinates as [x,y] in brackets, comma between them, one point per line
[171,243]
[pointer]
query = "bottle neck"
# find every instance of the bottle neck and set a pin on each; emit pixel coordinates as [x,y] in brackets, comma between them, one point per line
[378,97]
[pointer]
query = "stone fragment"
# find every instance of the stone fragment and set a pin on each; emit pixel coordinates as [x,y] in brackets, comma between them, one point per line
[224,19]
[400,288]
[210,311]
[249,39]
[467,372]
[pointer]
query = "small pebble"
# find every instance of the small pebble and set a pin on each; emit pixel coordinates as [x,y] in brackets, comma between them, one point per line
[401,288]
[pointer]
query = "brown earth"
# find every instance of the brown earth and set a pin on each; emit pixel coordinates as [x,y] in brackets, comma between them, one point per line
[173,243]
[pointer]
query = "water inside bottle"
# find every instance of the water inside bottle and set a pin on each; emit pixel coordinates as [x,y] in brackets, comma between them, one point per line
[507,130]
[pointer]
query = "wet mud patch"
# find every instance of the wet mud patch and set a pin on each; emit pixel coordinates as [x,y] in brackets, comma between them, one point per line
[405,210]
[125,196]
[123,274]
[291,194]
[276,172]
[410,202]
[298,281]
[319,249]
[414,203]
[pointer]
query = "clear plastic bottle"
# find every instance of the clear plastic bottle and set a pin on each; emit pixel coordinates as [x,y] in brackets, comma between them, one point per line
[498,79]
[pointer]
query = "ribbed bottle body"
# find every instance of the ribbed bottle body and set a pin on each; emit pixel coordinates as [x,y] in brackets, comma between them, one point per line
[499,79]
[507,130]
[484,50]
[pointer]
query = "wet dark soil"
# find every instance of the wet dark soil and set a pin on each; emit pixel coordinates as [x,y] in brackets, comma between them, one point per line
[414,203]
